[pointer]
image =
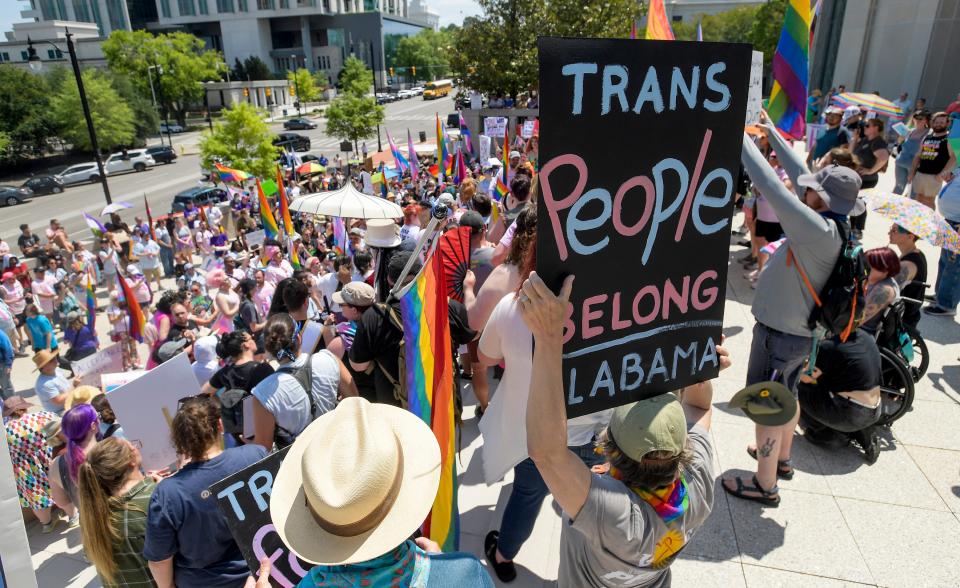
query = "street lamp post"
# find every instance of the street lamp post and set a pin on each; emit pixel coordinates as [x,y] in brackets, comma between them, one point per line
[296,81]
[373,66]
[36,65]
[166,120]
[153,94]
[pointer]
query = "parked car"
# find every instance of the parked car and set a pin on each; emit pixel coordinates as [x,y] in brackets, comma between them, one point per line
[45,184]
[80,173]
[406,94]
[11,195]
[137,160]
[383,98]
[417,90]
[200,196]
[162,153]
[285,141]
[170,128]
[295,124]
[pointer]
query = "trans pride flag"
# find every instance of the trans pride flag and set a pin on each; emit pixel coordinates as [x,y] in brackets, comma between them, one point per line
[429,383]
[398,158]
[788,99]
[412,154]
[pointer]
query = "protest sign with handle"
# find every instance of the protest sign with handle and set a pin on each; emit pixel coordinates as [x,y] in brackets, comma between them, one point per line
[494,126]
[755,89]
[90,368]
[244,501]
[527,131]
[148,404]
[639,150]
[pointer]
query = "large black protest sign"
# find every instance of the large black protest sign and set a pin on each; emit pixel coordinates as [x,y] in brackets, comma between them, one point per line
[639,154]
[244,500]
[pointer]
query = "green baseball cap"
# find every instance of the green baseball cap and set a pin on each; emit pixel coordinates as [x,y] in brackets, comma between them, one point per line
[652,424]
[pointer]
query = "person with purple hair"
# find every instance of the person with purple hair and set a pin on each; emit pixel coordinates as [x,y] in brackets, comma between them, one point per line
[81,427]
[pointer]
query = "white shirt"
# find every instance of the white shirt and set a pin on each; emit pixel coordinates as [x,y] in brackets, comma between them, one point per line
[148,261]
[281,394]
[326,286]
[410,232]
[504,424]
[214,216]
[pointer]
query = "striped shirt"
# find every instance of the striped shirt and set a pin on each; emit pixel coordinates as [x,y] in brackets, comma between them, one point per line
[129,514]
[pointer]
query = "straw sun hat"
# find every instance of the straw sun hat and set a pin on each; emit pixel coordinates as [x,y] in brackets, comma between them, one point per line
[356,483]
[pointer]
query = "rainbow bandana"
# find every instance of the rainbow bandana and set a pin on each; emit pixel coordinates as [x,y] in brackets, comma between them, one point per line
[670,502]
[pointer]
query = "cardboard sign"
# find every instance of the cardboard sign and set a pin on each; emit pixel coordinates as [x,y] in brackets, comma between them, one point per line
[755,89]
[148,404]
[639,154]
[110,382]
[484,148]
[244,501]
[494,126]
[90,368]
[310,336]
[256,238]
[527,131]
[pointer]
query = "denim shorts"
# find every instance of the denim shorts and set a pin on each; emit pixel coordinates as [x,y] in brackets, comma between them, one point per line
[775,350]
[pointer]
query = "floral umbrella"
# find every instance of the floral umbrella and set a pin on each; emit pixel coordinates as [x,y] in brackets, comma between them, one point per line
[917,218]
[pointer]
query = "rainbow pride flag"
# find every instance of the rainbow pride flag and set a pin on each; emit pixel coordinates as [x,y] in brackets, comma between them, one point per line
[441,146]
[429,383]
[501,188]
[788,99]
[412,154]
[228,174]
[135,315]
[634,34]
[91,303]
[270,227]
[658,26]
[398,158]
[287,221]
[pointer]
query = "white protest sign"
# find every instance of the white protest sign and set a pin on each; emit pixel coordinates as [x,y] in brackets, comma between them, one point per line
[104,361]
[248,431]
[527,131]
[755,89]
[814,132]
[484,148]
[16,568]
[110,382]
[146,407]
[256,237]
[495,126]
[311,334]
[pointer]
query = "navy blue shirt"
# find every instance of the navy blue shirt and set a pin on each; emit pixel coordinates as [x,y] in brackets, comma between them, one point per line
[183,525]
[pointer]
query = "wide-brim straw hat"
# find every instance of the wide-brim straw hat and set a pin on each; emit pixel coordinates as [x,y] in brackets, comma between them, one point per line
[356,483]
[43,357]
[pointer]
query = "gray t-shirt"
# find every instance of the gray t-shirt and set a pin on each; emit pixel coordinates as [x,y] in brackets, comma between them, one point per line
[48,388]
[617,539]
[281,394]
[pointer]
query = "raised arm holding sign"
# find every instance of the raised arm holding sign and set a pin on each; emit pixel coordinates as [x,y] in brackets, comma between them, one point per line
[639,151]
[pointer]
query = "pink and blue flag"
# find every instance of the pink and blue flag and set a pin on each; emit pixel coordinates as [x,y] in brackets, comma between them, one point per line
[465,135]
[398,158]
[412,154]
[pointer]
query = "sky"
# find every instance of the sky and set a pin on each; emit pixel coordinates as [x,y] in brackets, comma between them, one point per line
[451,11]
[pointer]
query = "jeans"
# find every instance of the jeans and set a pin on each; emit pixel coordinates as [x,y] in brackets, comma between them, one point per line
[6,386]
[527,495]
[948,276]
[831,411]
[772,350]
[166,258]
[902,173]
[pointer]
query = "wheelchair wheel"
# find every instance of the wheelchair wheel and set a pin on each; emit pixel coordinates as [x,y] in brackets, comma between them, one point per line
[896,387]
[921,356]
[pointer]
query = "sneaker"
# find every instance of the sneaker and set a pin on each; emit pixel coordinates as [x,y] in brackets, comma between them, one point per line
[869,442]
[505,570]
[935,310]
[49,527]
[74,521]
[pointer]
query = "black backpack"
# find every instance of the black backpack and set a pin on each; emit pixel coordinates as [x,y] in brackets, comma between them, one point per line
[839,305]
[304,376]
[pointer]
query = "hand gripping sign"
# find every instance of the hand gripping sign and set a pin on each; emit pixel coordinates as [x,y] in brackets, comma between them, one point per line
[639,149]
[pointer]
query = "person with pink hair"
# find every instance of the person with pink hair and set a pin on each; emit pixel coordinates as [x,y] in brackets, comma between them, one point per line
[277,268]
[226,301]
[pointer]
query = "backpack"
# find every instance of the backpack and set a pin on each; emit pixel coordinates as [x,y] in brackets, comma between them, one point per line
[839,305]
[304,376]
[400,382]
[231,410]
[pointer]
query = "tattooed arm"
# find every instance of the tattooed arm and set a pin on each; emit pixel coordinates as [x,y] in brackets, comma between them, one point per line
[878,299]
[908,271]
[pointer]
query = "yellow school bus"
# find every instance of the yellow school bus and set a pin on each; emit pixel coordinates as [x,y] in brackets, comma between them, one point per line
[437,89]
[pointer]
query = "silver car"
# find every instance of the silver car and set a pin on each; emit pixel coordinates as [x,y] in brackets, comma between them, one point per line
[80,173]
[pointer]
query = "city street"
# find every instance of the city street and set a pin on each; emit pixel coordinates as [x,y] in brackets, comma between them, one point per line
[161,183]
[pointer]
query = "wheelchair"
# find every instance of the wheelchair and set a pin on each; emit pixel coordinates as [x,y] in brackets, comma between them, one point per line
[904,359]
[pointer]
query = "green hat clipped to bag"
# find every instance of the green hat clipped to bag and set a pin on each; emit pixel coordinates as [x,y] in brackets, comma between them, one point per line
[766,403]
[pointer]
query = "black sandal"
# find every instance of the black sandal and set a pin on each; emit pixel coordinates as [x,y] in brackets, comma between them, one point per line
[769,497]
[781,473]
[505,570]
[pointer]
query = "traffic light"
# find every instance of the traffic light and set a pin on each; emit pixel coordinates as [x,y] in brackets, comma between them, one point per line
[267,92]
[413,71]
[391,72]
[293,91]
[246,93]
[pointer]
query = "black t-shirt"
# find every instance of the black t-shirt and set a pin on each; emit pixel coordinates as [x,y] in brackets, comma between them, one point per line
[25,241]
[849,366]
[865,151]
[177,331]
[242,377]
[934,154]
[378,340]
[915,289]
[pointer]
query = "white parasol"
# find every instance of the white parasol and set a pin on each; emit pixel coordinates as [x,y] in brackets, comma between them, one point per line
[347,202]
[115,207]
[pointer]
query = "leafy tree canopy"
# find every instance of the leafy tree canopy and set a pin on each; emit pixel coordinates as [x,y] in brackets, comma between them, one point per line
[112,116]
[428,51]
[352,117]
[355,77]
[256,69]
[304,84]
[242,139]
[24,105]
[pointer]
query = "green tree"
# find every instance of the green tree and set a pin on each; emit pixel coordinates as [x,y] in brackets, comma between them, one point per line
[305,85]
[256,69]
[5,144]
[731,26]
[429,51]
[112,116]
[355,78]
[182,57]
[24,105]
[239,72]
[146,121]
[241,139]
[765,32]
[352,117]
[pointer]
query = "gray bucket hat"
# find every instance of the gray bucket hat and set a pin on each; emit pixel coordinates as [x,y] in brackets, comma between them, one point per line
[837,186]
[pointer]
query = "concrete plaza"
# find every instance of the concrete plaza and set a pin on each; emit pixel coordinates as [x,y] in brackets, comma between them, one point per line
[840,523]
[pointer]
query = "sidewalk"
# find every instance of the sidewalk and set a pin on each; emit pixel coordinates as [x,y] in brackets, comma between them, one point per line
[841,522]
